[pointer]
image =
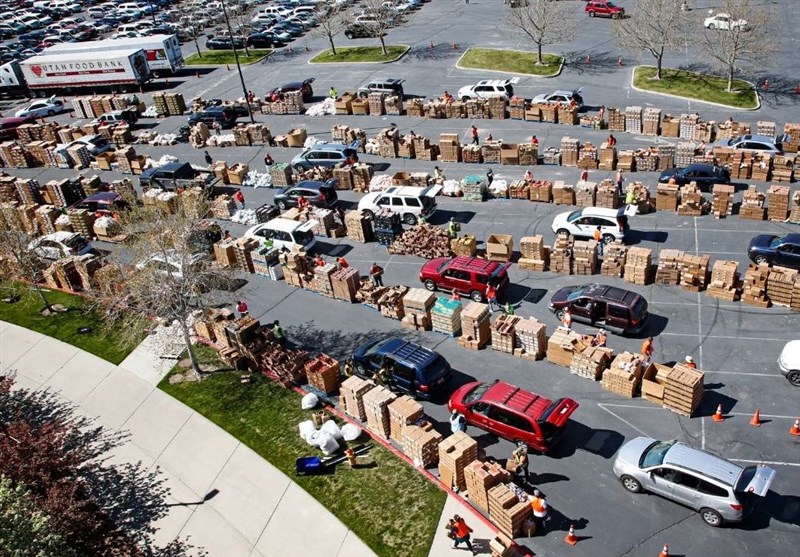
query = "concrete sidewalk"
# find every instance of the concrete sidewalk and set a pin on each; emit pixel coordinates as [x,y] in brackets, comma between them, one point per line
[258,511]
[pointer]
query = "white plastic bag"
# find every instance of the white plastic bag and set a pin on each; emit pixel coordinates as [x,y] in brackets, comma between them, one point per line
[350,432]
[309,401]
[331,427]
[327,443]
[308,431]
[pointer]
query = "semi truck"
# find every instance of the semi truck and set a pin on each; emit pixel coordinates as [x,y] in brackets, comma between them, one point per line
[163,51]
[47,74]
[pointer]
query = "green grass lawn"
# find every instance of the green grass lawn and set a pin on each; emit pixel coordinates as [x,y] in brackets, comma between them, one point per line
[360,54]
[109,345]
[219,57]
[512,61]
[696,86]
[390,506]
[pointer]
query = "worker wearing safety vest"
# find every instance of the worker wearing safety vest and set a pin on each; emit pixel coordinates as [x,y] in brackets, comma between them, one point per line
[333,93]
[598,237]
[647,349]
[277,330]
[539,506]
[453,228]
[520,455]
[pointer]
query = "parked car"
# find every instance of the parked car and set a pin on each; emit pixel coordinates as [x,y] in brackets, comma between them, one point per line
[105,202]
[264,39]
[789,362]
[285,233]
[614,309]
[720,490]
[562,96]
[222,114]
[466,275]
[412,369]
[325,154]
[224,43]
[95,144]
[8,126]
[59,245]
[513,413]
[776,250]
[318,194]
[582,223]
[753,142]
[704,175]
[724,22]
[604,9]
[128,116]
[170,264]
[361,31]
[410,203]
[388,86]
[488,88]
[304,86]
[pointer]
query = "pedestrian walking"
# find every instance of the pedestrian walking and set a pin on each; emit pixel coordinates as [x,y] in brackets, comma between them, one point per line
[241,307]
[520,459]
[376,274]
[489,177]
[535,141]
[451,528]
[277,331]
[462,530]
[268,160]
[647,350]
[566,319]
[619,180]
[457,422]
[438,175]
[453,227]
[239,197]
[539,506]
[474,132]
[342,263]
[209,160]
[491,297]
[598,237]
[333,93]
[585,175]
[216,127]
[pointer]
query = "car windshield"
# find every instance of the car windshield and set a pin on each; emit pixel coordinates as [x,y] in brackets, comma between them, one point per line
[476,393]
[575,293]
[75,242]
[654,454]
[303,237]
[574,215]
[639,307]
[775,242]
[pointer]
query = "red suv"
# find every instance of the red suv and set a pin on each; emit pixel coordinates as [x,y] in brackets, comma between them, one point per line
[604,9]
[466,275]
[513,413]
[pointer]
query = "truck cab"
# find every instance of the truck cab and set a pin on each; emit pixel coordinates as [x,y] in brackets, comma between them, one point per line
[128,116]
[173,176]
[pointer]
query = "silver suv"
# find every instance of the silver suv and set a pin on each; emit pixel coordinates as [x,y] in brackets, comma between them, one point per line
[388,86]
[718,489]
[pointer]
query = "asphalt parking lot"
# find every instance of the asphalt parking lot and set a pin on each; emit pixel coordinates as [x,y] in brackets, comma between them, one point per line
[735,344]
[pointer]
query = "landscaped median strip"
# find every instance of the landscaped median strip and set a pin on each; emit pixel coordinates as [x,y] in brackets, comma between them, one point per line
[222,57]
[696,86]
[361,54]
[521,62]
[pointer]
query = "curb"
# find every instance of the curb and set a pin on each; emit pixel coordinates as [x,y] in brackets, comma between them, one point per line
[558,72]
[215,66]
[758,97]
[399,56]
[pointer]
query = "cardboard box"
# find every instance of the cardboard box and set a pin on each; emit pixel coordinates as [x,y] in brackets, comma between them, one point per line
[296,137]
[401,179]
[499,247]
[653,382]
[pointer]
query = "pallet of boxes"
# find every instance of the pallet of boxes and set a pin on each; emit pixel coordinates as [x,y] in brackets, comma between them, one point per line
[447,316]
[323,373]
[475,326]
[533,254]
[403,411]
[563,344]
[683,390]
[417,306]
[724,283]
[624,375]
[376,407]
[531,339]
[754,286]
[455,453]
[504,333]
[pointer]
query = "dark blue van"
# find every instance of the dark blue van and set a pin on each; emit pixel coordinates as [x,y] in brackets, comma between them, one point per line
[414,369]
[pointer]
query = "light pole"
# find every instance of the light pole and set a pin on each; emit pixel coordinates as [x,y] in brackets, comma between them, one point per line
[238,66]
[152,11]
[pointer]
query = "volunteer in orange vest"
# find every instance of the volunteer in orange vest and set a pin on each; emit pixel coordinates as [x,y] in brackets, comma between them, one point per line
[539,506]
[647,349]
[690,362]
[598,237]
[600,338]
[566,319]
[462,533]
[491,297]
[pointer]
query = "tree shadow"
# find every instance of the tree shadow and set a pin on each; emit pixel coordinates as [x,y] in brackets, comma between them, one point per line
[338,344]
[591,62]
[440,51]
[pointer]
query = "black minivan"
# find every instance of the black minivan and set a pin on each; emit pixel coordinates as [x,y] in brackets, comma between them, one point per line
[225,115]
[413,369]
[615,309]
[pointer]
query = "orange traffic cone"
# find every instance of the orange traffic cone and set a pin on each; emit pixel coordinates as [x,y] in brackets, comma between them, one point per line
[571,538]
[766,85]
[718,417]
[797,89]
[756,420]
[430,45]
[588,59]
[620,62]
[455,46]
[795,429]
[664,551]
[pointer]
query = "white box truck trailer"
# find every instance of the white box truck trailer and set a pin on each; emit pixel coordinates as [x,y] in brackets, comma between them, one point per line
[163,51]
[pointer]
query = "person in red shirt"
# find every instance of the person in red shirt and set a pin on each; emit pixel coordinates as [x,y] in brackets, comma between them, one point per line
[690,362]
[474,132]
[302,202]
[239,196]
[241,307]
[612,141]
[462,532]
[535,141]
[491,297]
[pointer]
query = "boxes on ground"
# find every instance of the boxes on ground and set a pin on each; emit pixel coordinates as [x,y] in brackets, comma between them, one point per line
[683,389]
[455,452]
[353,390]
[499,247]
[653,381]
[480,477]
[403,411]
[507,512]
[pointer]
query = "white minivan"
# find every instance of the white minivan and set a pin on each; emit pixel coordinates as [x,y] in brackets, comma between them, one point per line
[407,201]
[285,233]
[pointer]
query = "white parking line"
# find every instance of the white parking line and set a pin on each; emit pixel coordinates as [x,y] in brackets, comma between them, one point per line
[744,373]
[623,420]
[771,462]
[725,337]
[763,415]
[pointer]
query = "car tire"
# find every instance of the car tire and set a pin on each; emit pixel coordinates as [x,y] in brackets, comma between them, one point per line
[608,239]
[348,34]
[430,285]
[631,484]
[561,231]
[711,517]
[761,259]
[614,16]
[710,26]
[794,377]
[281,205]
[591,14]
[361,370]
[477,296]
[464,99]
[300,168]
[368,214]
[51,112]
[560,314]
[410,219]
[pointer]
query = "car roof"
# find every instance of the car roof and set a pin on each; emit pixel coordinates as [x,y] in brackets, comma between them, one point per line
[282,224]
[612,293]
[60,236]
[703,166]
[474,263]
[329,147]
[563,92]
[309,184]
[703,462]
[793,238]
[407,352]
[498,82]
[757,137]
[600,212]
[517,399]
[104,196]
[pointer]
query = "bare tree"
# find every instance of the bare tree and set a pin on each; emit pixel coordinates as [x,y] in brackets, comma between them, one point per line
[331,20]
[171,276]
[242,26]
[655,26]
[542,23]
[25,267]
[746,38]
[381,19]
